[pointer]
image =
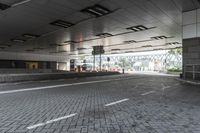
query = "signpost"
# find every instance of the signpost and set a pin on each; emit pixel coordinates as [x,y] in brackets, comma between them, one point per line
[108,60]
[97,50]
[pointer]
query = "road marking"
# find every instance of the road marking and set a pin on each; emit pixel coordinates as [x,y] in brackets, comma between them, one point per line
[56,86]
[51,121]
[120,101]
[147,93]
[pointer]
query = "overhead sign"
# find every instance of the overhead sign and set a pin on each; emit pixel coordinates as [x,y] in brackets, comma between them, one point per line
[98,50]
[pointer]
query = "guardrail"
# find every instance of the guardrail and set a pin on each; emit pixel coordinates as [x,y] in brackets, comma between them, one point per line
[193,69]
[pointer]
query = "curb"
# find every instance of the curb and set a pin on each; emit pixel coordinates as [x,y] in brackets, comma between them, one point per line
[188,81]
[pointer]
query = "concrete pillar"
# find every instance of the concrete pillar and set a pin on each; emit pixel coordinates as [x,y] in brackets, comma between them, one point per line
[191,44]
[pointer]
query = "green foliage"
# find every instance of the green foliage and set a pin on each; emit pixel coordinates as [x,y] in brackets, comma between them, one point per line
[174,70]
[123,62]
[177,51]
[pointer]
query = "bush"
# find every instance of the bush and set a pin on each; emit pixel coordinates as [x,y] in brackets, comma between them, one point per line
[174,70]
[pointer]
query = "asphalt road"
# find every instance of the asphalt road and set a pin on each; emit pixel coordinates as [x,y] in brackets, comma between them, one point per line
[108,104]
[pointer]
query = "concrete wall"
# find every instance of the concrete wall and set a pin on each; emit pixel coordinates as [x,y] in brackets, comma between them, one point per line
[32,57]
[191,24]
[4,78]
[191,42]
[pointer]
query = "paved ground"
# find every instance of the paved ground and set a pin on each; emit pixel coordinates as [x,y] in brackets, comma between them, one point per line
[110,104]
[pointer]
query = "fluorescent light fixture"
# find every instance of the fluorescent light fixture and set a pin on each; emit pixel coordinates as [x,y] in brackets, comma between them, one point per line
[96,10]
[158,49]
[70,42]
[115,49]
[18,40]
[62,23]
[137,28]
[20,3]
[172,43]
[159,37]
[4,6]
[104,35]
[27,35]
[130,41]
[146,46]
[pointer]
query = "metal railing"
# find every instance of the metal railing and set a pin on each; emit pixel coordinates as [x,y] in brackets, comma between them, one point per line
[193,69]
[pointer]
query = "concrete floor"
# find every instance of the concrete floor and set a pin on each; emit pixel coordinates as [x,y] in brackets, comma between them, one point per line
[108,104]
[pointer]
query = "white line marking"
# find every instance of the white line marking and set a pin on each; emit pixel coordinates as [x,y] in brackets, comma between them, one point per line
[56,86]
[120,101]
[51,121]
[147,93]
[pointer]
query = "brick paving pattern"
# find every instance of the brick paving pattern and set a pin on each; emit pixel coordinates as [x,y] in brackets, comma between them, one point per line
[172,108]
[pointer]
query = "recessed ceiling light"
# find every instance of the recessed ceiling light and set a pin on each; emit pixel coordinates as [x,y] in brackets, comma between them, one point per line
[104,35]
[70,42]
[130,41]
[158,49]
[137,28]
[96,10]
[172,43]
[62,23]
[115,49]
[159,37]
[20,3]
[27,35]
[4,6]
[18,40]
[146,46]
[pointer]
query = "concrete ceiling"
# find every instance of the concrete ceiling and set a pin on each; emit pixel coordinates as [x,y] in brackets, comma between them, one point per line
[161,17]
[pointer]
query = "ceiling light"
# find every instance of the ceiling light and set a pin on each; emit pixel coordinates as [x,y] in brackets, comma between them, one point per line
[115,49]
[20,3]
[4,6]
[104,35]
[158,49]
[130,41]
[137,28]
[18,40]
[27,35]
[96,10]
[70,42]
[172,43]
[146,46]
[62,23]
[159,37]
